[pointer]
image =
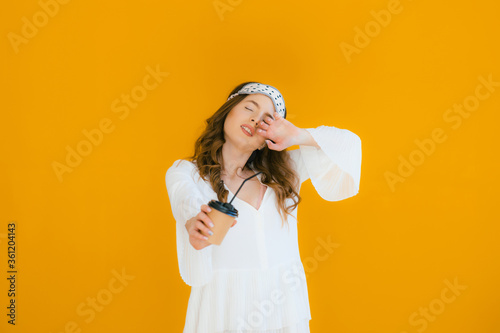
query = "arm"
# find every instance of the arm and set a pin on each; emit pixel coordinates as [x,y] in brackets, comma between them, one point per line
[331,158]
[195,266]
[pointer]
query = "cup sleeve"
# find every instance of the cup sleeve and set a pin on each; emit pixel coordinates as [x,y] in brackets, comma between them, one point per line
[195,266]
[335,167]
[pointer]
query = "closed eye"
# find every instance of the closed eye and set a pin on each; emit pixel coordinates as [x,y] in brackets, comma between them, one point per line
[248,108]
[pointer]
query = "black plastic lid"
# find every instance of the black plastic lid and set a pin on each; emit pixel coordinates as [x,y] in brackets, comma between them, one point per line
[224,207]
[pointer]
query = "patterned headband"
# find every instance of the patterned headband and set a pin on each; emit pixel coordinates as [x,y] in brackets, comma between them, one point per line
[273,93]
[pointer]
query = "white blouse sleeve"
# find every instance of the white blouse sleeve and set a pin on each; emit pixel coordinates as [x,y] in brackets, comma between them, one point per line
[195,266]
[335,168]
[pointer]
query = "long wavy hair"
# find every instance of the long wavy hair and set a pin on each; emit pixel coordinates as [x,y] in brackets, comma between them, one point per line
[277,172]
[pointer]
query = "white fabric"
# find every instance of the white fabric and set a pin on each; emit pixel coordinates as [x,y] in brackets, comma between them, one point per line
[255,281]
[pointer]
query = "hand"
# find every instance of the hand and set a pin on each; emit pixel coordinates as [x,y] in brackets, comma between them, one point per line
[198,228]
[281,131]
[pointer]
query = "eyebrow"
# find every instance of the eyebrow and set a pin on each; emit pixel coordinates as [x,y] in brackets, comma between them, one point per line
[257,105]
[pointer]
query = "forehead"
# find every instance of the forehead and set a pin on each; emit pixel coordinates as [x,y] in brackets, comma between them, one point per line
[260,101]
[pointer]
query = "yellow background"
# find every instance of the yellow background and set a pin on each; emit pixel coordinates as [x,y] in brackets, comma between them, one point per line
[396,245]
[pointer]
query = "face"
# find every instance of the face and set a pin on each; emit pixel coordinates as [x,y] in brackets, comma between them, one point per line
[253,109]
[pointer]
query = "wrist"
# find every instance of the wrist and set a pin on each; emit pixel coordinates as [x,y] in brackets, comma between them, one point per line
[305,138]
[302,137]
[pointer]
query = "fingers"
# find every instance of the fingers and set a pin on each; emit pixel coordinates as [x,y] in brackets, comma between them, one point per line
[199,229]
[265,124]
[195,231]
[204,231]
[204,210]
[198,235]
[202,216]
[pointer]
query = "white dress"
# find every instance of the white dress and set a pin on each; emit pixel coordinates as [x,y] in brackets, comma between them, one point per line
[254,282]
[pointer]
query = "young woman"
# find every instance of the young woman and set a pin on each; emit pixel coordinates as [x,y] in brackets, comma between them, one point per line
[254,281]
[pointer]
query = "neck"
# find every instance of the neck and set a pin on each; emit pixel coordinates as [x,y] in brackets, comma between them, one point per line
[234,160]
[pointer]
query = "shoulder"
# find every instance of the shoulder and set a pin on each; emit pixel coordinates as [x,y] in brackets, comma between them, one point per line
[183,164]
[183,167]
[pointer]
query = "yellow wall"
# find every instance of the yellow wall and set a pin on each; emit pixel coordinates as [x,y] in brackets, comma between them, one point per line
[400,243]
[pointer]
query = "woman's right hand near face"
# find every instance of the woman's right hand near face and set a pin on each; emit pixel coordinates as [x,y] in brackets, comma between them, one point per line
[199,227]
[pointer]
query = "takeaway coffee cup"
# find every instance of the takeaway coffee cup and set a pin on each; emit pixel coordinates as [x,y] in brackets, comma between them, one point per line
[223,215]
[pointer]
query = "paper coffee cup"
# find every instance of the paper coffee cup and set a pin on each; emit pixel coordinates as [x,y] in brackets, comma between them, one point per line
[223,216]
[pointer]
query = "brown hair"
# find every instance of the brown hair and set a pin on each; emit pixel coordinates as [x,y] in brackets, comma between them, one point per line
[277,172]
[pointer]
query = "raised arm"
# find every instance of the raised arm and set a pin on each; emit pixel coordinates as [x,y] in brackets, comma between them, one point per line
[335,167]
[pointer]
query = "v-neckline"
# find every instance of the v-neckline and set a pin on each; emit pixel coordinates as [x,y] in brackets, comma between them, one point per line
[246,203]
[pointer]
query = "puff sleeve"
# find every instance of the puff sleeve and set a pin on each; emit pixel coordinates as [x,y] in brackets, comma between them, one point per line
[334,168]
[195,266]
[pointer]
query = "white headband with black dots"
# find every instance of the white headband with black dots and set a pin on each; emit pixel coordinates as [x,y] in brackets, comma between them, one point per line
[259,88]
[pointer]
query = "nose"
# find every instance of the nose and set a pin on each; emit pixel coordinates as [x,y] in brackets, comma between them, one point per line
[255,120]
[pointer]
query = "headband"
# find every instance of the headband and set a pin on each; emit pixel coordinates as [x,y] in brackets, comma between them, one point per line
[259,88]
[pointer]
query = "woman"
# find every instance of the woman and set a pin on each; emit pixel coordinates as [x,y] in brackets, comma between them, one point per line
[254,281]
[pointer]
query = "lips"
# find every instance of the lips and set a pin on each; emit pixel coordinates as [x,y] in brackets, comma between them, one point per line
[252,131]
